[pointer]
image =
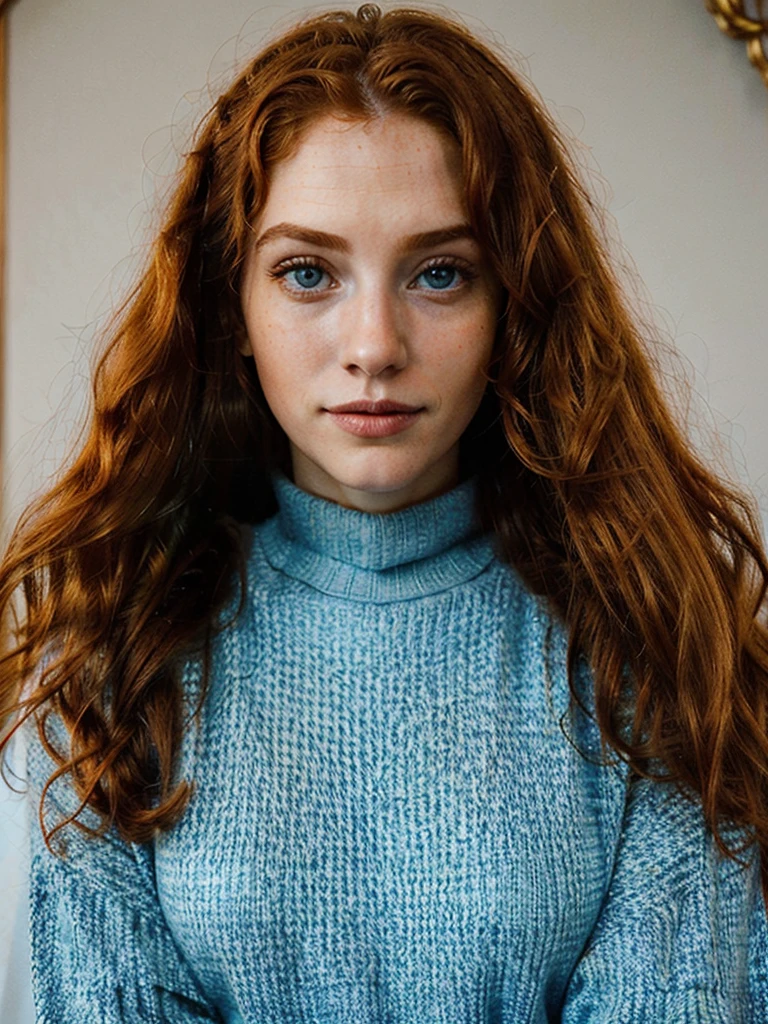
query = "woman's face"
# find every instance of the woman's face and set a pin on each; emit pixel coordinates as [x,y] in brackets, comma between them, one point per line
[365,286]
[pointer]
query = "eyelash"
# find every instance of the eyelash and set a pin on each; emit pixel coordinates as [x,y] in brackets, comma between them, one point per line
[466,272]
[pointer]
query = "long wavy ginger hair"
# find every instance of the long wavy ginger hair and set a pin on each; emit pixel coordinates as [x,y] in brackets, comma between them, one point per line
[594,494]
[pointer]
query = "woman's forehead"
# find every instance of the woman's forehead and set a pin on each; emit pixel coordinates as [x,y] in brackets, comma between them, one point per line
[373,173]
[334,139]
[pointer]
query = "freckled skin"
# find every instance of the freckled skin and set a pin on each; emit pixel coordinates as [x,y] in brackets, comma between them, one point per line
[371,324]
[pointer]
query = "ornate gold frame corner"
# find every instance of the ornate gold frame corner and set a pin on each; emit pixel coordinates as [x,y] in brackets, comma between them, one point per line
[736,19]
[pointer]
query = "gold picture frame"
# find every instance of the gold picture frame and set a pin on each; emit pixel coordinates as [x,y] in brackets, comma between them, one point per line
[742,19]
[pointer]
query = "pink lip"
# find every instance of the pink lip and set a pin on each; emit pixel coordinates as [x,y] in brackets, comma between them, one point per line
[384,405]
[374,419]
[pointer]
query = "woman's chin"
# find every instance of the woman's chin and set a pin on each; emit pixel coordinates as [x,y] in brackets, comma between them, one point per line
[378,480]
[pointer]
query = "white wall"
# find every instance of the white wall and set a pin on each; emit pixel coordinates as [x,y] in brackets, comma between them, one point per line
[665,106]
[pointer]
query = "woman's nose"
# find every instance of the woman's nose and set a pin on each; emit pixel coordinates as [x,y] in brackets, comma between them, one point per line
[374,335]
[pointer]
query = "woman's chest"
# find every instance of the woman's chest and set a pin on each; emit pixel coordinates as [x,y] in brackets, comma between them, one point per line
[365,814]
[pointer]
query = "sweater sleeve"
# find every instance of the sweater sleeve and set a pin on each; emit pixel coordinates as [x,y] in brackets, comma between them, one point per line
[100,946]
[682,935]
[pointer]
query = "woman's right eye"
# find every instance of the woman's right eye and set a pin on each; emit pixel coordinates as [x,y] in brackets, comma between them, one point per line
[302,276]
[306,277]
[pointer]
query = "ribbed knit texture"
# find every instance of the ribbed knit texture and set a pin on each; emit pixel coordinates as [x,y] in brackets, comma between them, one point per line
[389,823]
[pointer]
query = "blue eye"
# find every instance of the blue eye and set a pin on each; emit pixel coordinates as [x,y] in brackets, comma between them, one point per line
[440,277]
[306,276]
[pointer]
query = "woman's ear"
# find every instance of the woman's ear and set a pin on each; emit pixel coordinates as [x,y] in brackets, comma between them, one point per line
[235,316]
[243,343]
[240,334]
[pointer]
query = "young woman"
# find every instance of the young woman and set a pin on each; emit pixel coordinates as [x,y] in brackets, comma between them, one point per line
[386,653]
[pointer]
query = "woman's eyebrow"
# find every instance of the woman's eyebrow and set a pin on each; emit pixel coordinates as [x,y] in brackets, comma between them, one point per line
[324,240]
[300,234]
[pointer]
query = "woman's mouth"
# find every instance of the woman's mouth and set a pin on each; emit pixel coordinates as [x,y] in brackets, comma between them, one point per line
[374,419]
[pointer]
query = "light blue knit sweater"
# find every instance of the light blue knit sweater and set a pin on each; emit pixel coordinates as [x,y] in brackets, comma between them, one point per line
[390,824]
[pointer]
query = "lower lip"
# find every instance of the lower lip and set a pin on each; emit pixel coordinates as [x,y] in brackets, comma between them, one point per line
[368,425]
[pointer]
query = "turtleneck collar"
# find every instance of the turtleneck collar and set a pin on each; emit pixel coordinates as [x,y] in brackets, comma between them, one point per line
[365,556]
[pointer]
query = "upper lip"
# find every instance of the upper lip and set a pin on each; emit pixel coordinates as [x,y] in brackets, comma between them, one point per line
[382,406]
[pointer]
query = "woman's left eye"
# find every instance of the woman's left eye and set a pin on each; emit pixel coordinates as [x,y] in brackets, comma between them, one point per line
[444,277]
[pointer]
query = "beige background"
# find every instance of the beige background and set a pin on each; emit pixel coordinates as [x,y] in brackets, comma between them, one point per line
[668,117]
